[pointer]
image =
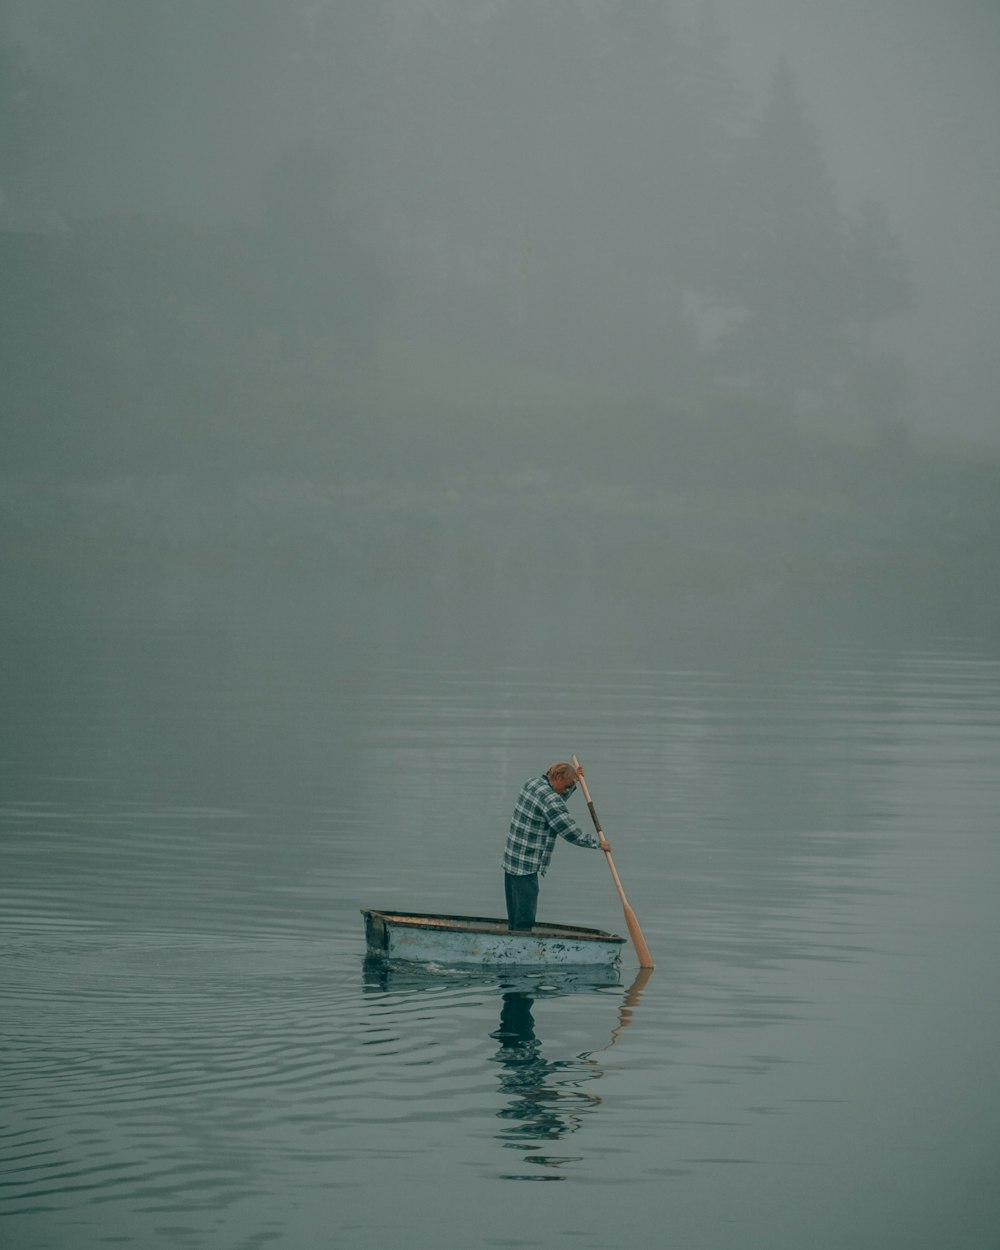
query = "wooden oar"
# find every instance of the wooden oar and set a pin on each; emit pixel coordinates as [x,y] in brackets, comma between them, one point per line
[635,933]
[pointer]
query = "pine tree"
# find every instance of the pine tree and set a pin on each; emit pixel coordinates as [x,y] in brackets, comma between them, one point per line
[788,278]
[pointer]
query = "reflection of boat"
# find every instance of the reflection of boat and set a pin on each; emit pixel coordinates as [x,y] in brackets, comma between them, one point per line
[487,941]
[546,1099]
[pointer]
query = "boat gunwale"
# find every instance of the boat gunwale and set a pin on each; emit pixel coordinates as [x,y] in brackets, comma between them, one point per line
[443,923]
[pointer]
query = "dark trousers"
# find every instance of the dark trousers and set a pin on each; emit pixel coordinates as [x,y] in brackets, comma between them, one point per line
[522,899]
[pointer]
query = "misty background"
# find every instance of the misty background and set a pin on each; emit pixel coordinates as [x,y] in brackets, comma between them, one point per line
[398,395]
[698,298]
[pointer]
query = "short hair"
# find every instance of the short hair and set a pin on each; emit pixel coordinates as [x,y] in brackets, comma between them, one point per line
[562,771]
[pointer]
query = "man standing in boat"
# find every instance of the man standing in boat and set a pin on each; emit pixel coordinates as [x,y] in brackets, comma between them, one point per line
[540,816]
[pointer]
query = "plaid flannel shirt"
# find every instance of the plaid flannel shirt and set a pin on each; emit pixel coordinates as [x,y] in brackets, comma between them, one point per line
[540,815]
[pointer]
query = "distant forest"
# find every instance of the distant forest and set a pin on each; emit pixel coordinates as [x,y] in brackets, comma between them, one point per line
[450,247]
[566,186]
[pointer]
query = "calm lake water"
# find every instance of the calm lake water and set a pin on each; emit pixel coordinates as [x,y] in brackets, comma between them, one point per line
[196,1054]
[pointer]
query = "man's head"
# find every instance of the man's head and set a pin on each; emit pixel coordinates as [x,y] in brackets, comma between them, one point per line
[562,777]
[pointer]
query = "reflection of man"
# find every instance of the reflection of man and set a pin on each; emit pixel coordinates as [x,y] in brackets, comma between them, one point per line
[540,816]
[544,1103]
[517,1024]
[533,1105]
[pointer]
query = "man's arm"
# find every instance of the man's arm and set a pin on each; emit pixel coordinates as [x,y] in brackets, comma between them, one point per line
[562,823]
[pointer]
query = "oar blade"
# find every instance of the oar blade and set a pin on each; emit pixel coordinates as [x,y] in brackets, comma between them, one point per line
[638,941]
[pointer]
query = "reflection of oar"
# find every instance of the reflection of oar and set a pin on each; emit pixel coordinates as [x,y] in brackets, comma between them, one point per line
[625,1011]
[630,1001]
[635,933]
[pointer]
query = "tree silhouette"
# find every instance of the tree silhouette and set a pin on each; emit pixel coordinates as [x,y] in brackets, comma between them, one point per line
[789,275]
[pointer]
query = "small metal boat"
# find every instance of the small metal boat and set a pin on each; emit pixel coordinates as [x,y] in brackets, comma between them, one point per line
[486,941]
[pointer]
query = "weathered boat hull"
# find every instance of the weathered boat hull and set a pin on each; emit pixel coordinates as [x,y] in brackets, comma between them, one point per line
[486,941]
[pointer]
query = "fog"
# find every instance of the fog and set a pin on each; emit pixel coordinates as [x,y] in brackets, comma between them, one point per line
[399,395]
[402,285]
[908,101]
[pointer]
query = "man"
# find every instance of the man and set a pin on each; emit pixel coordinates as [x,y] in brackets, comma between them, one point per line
[540,816]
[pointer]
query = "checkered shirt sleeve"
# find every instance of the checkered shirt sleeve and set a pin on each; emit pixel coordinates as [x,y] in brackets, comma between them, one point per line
[540,816]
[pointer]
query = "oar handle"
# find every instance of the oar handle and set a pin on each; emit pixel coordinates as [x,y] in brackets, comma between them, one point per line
[593,816]
[605,847]
[590,807]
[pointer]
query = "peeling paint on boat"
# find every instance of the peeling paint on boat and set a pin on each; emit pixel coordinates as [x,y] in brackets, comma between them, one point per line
[486,941]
